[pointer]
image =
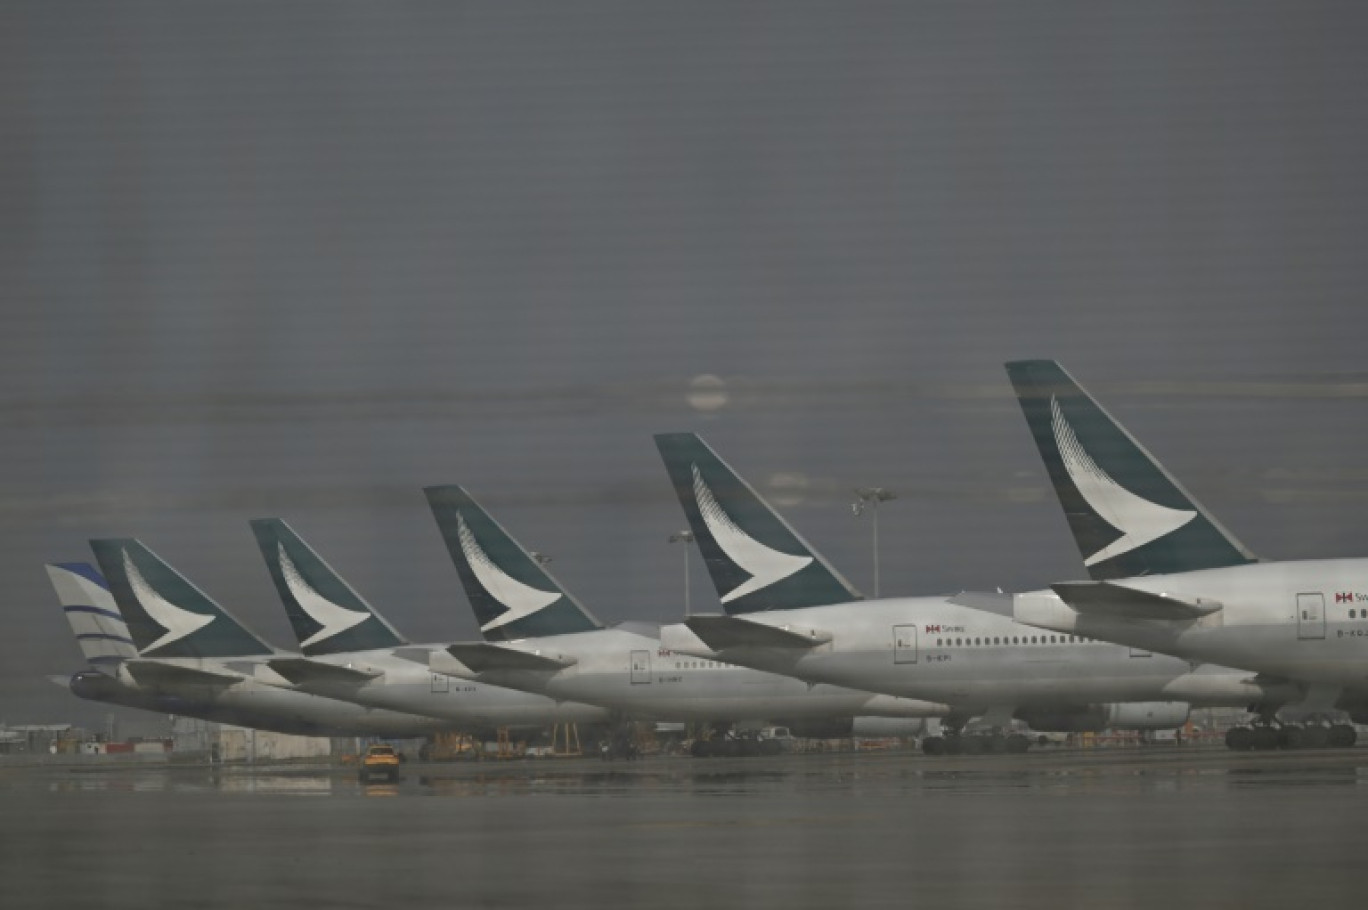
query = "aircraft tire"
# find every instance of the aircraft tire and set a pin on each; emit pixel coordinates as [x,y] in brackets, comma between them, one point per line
[1315,736]
[1342,736]
[1017,744]
[1239,739]
[933,745]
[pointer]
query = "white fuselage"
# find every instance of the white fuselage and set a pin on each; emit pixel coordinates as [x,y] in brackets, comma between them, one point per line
[1305,620]
[931,648]
[250,702]
[402,685]
[626,669]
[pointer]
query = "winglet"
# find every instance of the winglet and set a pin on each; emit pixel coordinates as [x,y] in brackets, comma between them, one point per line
[168,616]
[1128,515]
[756,560]
[326,613]
[513,595]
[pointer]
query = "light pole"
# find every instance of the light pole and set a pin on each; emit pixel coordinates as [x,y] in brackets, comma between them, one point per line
[869,498]
[685,537]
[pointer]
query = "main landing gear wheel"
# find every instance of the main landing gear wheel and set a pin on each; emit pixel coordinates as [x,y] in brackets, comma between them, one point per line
[1264,737]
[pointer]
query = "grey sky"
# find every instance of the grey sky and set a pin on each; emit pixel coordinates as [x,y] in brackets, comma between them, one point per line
[301,259]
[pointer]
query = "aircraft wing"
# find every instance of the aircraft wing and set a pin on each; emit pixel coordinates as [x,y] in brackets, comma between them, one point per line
[482,657]
[302,671]
[722,632]
[1104,598]
[157,674]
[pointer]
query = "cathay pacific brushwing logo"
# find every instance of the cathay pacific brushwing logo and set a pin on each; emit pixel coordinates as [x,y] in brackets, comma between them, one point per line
[520,599]
[177,622]
[763,564]
[1139,520]
[333,618]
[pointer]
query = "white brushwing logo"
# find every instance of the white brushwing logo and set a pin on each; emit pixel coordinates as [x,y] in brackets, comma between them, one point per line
[1139,520]
[334,619]
[520,599]
[177,622]
[763,564]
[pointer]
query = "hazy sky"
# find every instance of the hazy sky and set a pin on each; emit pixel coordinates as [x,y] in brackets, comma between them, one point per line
[302,259]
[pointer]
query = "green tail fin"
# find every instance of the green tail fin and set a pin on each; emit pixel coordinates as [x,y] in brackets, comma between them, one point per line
[168,616]
[512,595]
[755,559]
[1128,515]
[326,613]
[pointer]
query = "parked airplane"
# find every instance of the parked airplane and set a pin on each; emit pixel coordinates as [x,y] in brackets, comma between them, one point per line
[789,612]
[351,653]
[119,675]
[539,638]
[1165,575]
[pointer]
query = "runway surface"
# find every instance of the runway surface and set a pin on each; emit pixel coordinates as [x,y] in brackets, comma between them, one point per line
[1161,828]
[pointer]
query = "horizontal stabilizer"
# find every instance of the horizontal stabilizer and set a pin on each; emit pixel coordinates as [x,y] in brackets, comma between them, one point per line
[986,601]
[157,675]
[301,671]
[414,653]
[482,657]
[722,632]
[1103,598]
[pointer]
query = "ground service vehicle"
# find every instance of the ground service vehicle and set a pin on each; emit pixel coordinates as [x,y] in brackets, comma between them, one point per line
[379,762]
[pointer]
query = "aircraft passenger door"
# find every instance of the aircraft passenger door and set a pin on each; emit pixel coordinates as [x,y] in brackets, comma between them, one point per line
[641,667]
[441,683]
[904,644]
[1310,616]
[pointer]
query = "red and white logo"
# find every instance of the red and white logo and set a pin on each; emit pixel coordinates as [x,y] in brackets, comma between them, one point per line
[931,628]
[1344,597]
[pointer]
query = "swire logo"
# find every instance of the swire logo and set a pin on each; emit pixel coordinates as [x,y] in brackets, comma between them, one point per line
[931,628]
[1344,597]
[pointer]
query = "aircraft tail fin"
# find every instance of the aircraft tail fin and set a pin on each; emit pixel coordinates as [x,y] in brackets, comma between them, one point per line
[168,616]
[1128,515]
[326,613]
[512,593]
[95,620]
[756,560]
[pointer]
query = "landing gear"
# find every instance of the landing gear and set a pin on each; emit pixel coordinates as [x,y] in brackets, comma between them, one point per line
[1265,735]
[975,744]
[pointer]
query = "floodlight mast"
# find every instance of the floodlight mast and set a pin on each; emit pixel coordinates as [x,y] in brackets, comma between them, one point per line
[685,537]
[869,498]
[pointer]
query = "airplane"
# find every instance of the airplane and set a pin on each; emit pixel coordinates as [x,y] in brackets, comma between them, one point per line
[788,611]
[540,638]
[119,675]
[350,652]
[1165,575]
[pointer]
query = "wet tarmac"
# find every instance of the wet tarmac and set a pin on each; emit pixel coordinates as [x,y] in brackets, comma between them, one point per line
[1154,828]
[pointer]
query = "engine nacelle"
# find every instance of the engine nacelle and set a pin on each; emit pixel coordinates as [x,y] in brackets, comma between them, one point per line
[1076,719]
[1124,715]
[1147,715]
